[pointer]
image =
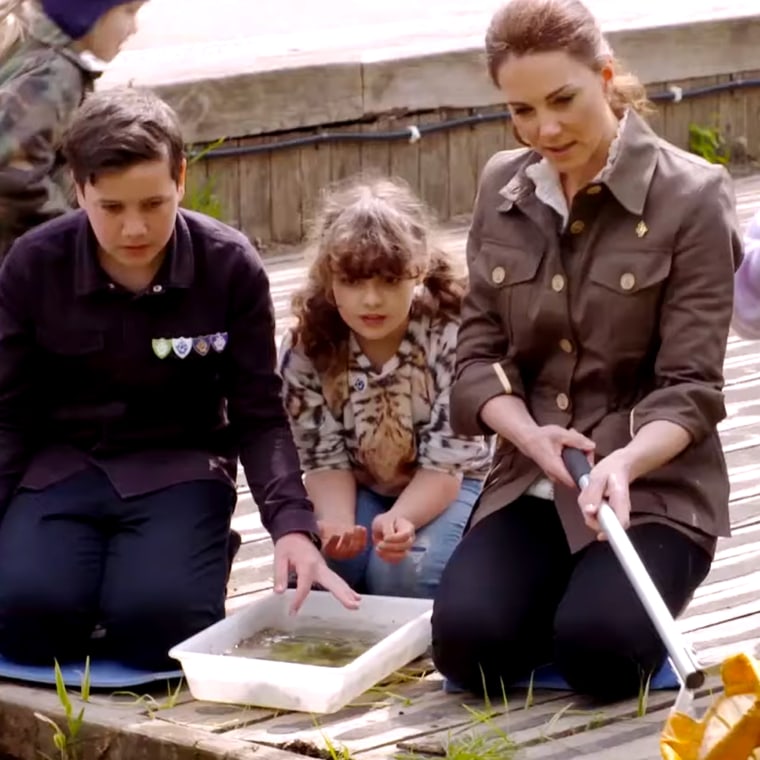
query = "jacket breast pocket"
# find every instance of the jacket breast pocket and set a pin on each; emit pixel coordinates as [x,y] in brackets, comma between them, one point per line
[512,273]
[626,296]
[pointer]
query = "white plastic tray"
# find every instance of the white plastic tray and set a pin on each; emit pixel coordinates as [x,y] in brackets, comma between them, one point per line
[216,677]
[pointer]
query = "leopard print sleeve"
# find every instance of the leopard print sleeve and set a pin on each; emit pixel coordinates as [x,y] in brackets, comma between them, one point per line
[318,435]
[439,447]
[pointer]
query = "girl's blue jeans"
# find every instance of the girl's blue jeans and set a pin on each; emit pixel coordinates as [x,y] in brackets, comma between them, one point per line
[418,574]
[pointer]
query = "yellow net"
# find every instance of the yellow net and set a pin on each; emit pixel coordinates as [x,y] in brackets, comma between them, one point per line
[730,727]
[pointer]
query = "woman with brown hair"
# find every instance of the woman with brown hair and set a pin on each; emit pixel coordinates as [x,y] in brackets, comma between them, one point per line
[601,263]
[367,371]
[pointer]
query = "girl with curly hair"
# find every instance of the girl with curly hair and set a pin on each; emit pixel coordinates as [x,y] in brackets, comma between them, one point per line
[367,370]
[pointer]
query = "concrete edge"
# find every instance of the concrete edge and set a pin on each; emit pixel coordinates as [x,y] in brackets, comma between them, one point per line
[246,99]
[112,732]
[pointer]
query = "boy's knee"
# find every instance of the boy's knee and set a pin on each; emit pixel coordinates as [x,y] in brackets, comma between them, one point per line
[143,636]
[157,610]
[37,628]
[37,597]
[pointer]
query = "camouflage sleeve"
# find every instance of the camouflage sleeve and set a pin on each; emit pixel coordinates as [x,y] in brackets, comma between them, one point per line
[34,111]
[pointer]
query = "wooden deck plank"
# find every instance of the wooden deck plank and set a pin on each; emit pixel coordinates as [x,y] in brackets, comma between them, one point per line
[560,720]
[390,724]
[215,718]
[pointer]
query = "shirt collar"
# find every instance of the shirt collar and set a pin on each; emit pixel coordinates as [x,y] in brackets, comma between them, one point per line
[628,176]
[549,186]
[177,271]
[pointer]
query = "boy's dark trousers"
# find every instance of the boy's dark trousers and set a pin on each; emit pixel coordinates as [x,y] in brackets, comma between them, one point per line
[151,570]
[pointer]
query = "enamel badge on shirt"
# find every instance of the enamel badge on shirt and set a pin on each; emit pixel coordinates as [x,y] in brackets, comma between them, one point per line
[161,347]
[201,345]
[219,341]
[183,347]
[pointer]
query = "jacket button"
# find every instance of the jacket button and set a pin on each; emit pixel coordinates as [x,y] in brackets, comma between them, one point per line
[627,281]
[498,275]
[594,190]
[577,227]
[566,346]
[563,402]
[558,283]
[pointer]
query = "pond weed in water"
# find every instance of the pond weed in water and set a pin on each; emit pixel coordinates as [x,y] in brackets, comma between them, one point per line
[312,645]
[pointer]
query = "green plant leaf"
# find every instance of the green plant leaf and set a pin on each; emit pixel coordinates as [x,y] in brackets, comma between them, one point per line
[75,725]
[86,681]
[60,687]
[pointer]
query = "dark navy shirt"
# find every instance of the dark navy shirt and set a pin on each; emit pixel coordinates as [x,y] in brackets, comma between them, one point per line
[157,388]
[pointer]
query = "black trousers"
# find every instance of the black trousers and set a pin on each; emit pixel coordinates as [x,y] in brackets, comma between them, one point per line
[151,570]
[513,598]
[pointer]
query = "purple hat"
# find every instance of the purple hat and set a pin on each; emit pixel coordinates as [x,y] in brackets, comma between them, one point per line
[77,17]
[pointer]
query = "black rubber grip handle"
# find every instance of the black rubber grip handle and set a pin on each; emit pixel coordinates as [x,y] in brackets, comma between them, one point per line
[577,464]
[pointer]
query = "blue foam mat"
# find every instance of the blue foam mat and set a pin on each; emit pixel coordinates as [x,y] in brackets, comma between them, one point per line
[546,677]
[104,674]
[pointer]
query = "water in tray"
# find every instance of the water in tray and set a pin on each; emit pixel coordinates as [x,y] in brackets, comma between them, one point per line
[308,645]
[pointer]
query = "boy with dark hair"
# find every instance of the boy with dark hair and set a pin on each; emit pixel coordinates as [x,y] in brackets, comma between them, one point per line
[137,362]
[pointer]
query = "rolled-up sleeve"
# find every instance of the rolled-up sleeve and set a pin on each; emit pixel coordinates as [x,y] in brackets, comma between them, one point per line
[319,437]
[483,369]
[439,447]
[746,320]
[696,315]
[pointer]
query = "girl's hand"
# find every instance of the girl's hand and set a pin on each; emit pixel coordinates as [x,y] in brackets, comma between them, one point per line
[544,446]
[609,479]
[341,540]
[393,537]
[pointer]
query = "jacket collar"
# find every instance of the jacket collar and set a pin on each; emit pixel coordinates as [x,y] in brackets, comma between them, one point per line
[631,175]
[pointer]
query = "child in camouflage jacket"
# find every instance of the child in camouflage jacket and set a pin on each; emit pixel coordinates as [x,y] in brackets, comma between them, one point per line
[44,77]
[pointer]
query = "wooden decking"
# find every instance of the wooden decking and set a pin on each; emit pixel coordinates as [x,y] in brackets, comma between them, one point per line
[410,716]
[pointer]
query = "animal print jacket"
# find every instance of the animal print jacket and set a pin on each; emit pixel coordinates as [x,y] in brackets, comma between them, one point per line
[382,425]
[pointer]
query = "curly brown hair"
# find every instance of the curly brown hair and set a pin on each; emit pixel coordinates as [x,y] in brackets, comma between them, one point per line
[367,227]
